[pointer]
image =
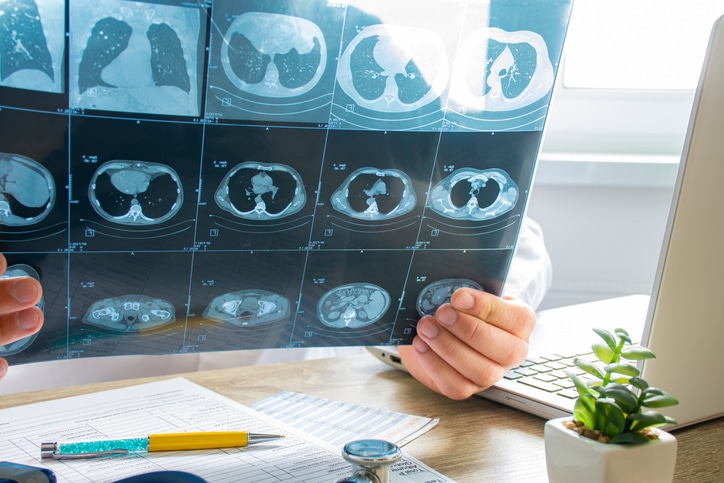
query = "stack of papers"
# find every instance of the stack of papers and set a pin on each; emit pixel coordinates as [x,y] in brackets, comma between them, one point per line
[339,423]
[176,405]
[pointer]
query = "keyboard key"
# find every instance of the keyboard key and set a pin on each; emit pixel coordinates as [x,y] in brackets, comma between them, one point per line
[551,357]
[550,372]
[555,365]
[545,386]
[512,375]
[545,377]
[576,370]
[589,357]
[559,374]
[526,371]
[569,393]
[564,383]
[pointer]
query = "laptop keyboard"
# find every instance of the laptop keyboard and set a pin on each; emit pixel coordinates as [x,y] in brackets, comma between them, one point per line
[549,373]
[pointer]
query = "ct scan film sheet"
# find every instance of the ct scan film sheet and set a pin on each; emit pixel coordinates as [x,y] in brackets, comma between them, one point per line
[240,174]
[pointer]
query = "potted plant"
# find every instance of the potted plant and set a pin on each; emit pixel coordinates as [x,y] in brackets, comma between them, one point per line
[612,436]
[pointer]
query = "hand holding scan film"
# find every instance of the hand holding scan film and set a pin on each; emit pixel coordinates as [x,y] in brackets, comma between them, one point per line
[20,318]
[470,343]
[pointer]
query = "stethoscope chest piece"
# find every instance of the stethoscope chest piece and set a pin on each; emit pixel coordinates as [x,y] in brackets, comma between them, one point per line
[371,460]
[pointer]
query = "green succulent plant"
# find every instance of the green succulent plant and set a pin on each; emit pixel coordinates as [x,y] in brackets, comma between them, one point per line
[612,402]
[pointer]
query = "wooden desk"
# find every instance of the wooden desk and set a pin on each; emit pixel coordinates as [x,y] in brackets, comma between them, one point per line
[476,440]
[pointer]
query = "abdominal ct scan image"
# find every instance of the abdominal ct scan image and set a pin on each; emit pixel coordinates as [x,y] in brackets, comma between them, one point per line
[130,313]
[353,306]
[248,308]
[135,192]
[27,190]
[439,293]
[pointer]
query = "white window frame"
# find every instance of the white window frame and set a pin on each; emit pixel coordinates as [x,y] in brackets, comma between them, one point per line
[599,137]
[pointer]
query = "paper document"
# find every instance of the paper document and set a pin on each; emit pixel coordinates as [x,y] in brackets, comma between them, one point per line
[176,405]
[338,423]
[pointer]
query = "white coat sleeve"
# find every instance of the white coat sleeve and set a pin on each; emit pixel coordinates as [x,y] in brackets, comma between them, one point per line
[531,271]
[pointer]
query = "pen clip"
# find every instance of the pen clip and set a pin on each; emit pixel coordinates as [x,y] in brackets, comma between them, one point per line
[50,451]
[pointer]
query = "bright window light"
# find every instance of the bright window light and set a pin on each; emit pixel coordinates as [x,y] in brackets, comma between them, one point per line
[638,44]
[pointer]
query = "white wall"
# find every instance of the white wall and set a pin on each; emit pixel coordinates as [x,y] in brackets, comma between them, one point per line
[604,236]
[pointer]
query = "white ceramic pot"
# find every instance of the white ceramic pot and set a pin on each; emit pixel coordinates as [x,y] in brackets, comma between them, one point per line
[574,458]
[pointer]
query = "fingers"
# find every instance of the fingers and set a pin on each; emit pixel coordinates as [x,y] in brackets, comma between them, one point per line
[470,343]
[18,325]
[477,323]
[508,314]
[434,372]
[19,317]
[18,293]
[478,360]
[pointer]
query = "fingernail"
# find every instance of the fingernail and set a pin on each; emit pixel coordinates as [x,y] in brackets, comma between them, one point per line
[3,370]
[27,319]
[464,301]
[420,345]
[446,315]
[24,290]
[428,329]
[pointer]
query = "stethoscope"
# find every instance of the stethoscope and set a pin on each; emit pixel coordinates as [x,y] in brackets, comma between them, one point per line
[371,460]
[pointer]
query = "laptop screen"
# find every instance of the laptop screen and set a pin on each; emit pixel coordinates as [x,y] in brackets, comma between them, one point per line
[685,326]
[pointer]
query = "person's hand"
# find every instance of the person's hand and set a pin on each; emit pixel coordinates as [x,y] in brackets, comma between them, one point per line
[470,343]
[19,317]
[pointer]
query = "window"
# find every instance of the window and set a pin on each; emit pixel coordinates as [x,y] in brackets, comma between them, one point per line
[638,44]
[627,80]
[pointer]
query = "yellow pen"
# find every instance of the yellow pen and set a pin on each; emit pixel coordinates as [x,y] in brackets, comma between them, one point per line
[154,442]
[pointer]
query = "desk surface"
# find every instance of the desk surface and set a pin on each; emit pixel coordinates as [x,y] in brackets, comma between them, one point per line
[476,440]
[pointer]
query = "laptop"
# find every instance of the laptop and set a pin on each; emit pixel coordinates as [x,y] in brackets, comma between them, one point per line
[682,321]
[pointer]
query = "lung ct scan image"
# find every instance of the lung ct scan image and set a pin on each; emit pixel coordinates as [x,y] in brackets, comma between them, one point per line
[218,175]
